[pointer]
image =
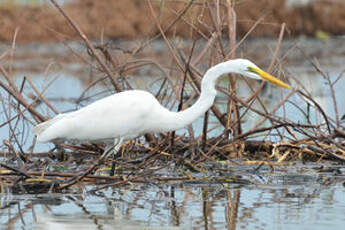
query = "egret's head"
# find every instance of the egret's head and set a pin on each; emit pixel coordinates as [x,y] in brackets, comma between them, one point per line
[249,69]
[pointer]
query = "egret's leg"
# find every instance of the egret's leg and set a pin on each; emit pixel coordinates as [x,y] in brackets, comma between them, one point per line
[109,148]
[117,152]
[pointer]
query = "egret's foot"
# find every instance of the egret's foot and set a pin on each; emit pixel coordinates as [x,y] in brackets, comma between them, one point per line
[113,164]
[112,171]
[116,155]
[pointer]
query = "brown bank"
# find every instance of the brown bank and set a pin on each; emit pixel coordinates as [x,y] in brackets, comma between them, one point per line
[133,18]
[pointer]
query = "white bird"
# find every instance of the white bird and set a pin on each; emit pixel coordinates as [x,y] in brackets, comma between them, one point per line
[132,113]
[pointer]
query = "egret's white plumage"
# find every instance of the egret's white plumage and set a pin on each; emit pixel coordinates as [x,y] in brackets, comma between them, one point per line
[132,113]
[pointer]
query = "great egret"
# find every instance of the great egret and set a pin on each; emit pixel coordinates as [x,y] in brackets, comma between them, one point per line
[132,113]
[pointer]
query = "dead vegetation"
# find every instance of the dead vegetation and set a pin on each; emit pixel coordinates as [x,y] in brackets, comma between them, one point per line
[196,155]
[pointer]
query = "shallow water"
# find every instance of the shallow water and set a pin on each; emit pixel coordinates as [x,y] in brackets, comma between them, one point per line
[291,197]
[300,199]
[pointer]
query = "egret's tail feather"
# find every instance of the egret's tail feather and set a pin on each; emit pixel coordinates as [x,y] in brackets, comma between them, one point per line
[42,127]
[38,129]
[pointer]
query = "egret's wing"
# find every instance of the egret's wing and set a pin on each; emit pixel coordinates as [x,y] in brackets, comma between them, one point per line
[120,115]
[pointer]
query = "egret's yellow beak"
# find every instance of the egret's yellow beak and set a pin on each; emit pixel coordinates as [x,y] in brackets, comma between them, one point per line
[268,77]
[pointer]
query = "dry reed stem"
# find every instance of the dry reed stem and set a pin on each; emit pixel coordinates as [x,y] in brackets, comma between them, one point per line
[232,108]
[12,90]
[176,19]
[256,93]
[112,78]
[196,81]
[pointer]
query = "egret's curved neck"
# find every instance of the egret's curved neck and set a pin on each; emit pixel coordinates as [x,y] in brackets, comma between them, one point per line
[177,120]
